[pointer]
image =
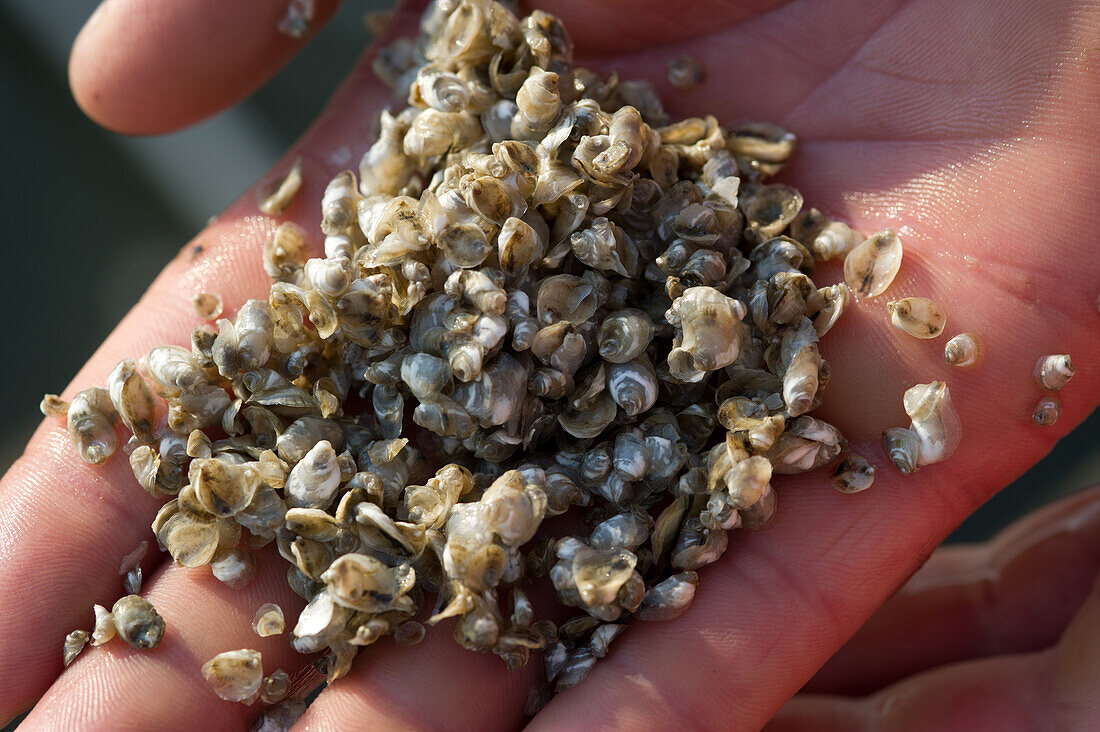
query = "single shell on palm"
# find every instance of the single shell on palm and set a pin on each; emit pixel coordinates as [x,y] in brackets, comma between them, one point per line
[870,268]
[74,644]
[274,687]
[138,622]
[268,620]
[963,351]
[917,316]
[235,675]
[934,421]
[1054,372]
[853,474]
[1047,411]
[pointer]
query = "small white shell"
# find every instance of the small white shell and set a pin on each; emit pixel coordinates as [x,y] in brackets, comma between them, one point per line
[207,305]
[275,687]
[933,434]
[235,675]
[313,481]
[233,567]
[104,626]
[853,474]
[963,351]
[134,558]
[870,268]
[268,620]
[684,72]
[1048,410]
[138,622]
[1054,372]
[54,406]
[917,316]
[74,644]
[276,198]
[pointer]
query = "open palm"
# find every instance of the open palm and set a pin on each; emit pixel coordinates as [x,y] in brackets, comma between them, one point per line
[967,127]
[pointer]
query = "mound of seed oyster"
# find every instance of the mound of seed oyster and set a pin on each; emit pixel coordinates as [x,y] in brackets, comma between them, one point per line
[537,296]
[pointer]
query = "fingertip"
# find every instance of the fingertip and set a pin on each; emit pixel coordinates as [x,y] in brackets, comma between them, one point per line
[141,67]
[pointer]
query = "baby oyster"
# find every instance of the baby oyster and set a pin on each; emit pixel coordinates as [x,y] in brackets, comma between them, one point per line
[870,268]
[235,675]
[917,316]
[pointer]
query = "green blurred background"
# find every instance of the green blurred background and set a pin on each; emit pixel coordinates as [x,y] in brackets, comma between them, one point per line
[90,217]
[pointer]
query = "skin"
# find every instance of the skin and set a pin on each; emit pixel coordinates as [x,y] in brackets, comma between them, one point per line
[967,127]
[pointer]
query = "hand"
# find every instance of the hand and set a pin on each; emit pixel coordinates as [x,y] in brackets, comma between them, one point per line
[966,128]
[985,636]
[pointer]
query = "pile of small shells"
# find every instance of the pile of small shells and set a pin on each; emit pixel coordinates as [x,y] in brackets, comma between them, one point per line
[578,304]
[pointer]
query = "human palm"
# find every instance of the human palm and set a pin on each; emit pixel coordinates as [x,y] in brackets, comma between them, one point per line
[967,127]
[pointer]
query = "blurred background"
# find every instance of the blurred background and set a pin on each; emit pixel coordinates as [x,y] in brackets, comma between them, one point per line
[91,217]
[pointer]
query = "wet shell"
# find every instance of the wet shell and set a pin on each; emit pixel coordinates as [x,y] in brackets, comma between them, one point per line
[138,622]
[53,406]
[853,474]
[74,644]
[1047,411]
[633,385]
[903,447]
[233,567]
[768,210]
[133,558]
[917,316]
[668,599]
[91,425]
[235,675]
[963,351]
[935,421]
[409,633]
[285,251]
[870,268]
[519,246]
[313,481]
[105,629]
[589,422]
[222,488]
[684,72]
[624,335]
[276,198]
[1054,372]
[709,332]
[275,687]
[565,298]
[208,306]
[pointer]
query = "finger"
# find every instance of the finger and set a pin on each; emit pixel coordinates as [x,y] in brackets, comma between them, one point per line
[434,685]
[119,688]
[73,523]
[143,67]
[1054,689]
[1013,594]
